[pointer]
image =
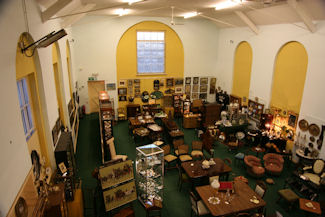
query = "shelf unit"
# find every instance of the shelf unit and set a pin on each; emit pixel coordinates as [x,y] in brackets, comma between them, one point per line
[106,118]
[149,173]
[178,104]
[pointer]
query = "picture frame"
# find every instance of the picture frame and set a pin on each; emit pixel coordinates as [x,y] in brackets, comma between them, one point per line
[203,81]
[130,90]
[292,119]
[195,88]
[122,98]
[195,95]
[203,88]
[120,195]
[122,83]
[188,89]
[169,82]
[136,81]
[203,96]
[195,80]
[130,82]
[110,86]
[137,93]
[188,80]
[114,174]
[212,85]
[179,89]
[122,91]
[179,81]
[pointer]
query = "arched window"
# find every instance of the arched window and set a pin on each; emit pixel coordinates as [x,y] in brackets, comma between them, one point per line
[289,77]
[242,70]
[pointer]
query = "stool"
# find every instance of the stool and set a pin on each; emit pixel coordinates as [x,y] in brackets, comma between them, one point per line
[289,196]
[239,157]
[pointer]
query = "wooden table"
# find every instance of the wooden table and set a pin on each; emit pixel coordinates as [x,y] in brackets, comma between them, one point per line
[240,202]
[196,171]
[176,133]
[136,122]
[315,209]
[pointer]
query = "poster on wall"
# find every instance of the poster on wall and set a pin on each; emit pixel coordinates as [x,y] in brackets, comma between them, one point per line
[120,195]
[116,173]
[212,85]
[111,86]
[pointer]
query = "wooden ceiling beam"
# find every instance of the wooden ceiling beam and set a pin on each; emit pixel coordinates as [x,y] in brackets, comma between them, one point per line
[54,9]
[68,21]
[248,22]
[306,18]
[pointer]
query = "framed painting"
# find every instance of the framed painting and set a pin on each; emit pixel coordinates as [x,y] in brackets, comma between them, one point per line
[116,173]
[203,96]
[111,86]
[195,80]
[169,82]
[188,80]
[122,98]
[122,91]
[292,119]
[203,88]
[122,83]
[188,89]
[179,81]
[195,88]
[204,81]
[178,89]
[120,195]
[130,83]
[195,95]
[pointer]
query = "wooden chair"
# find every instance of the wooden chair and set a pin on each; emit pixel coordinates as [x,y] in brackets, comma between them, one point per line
[167,156]
[198,206]
[197,149]
[121,114]
[260,188]
[182,177]
[176,143]
[183,153]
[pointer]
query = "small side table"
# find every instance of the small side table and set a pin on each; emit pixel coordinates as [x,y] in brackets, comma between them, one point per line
[314,209]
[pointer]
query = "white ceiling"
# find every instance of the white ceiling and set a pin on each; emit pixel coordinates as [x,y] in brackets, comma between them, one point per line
[257,11]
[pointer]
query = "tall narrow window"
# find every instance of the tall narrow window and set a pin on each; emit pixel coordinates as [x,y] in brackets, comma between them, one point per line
[150,52]
[25,109]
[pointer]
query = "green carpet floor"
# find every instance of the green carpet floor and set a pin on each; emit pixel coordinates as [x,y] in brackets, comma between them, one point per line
[176,203]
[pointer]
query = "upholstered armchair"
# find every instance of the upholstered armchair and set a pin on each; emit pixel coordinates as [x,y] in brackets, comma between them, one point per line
[273,163]
[254,166]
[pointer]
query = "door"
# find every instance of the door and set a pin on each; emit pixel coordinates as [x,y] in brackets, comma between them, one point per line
[93,89]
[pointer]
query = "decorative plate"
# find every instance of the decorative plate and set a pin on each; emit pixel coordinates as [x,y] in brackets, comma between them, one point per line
[145,96]
[314,130]
[312,139]
[303,125]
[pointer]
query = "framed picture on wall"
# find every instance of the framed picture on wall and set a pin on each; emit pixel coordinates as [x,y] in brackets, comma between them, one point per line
[292,119]
[188,80]
[178,89]
[179,81]
[188,89]
[203,88]
[203,96]
[169,82]
[122,83]
[204,81]
[111,86]
[122,91]
[130,83]
[195,88]
[137,93]
[122,98]
[195,80]
[136,81]
[195,95]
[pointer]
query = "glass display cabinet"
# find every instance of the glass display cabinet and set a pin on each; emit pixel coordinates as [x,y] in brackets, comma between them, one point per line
[149,173]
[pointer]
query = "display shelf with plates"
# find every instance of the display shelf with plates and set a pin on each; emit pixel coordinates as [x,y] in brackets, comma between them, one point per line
[149,173]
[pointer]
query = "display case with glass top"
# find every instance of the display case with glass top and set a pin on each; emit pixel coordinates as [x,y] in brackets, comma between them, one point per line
[149,173]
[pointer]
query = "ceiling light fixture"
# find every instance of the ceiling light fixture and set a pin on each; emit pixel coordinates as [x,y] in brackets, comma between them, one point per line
[190,14]
[122,11]
[133,1]
[228,4]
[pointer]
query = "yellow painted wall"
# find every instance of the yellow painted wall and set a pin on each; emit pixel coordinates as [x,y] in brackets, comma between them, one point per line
[242,70]
[25,68]
[289,77]
[126,58]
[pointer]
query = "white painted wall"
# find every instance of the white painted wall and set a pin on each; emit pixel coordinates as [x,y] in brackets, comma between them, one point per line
[265,47]
[96,39]
[15,161]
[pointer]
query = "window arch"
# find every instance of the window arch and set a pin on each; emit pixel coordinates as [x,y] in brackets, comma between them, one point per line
[242,70]
[289,77]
